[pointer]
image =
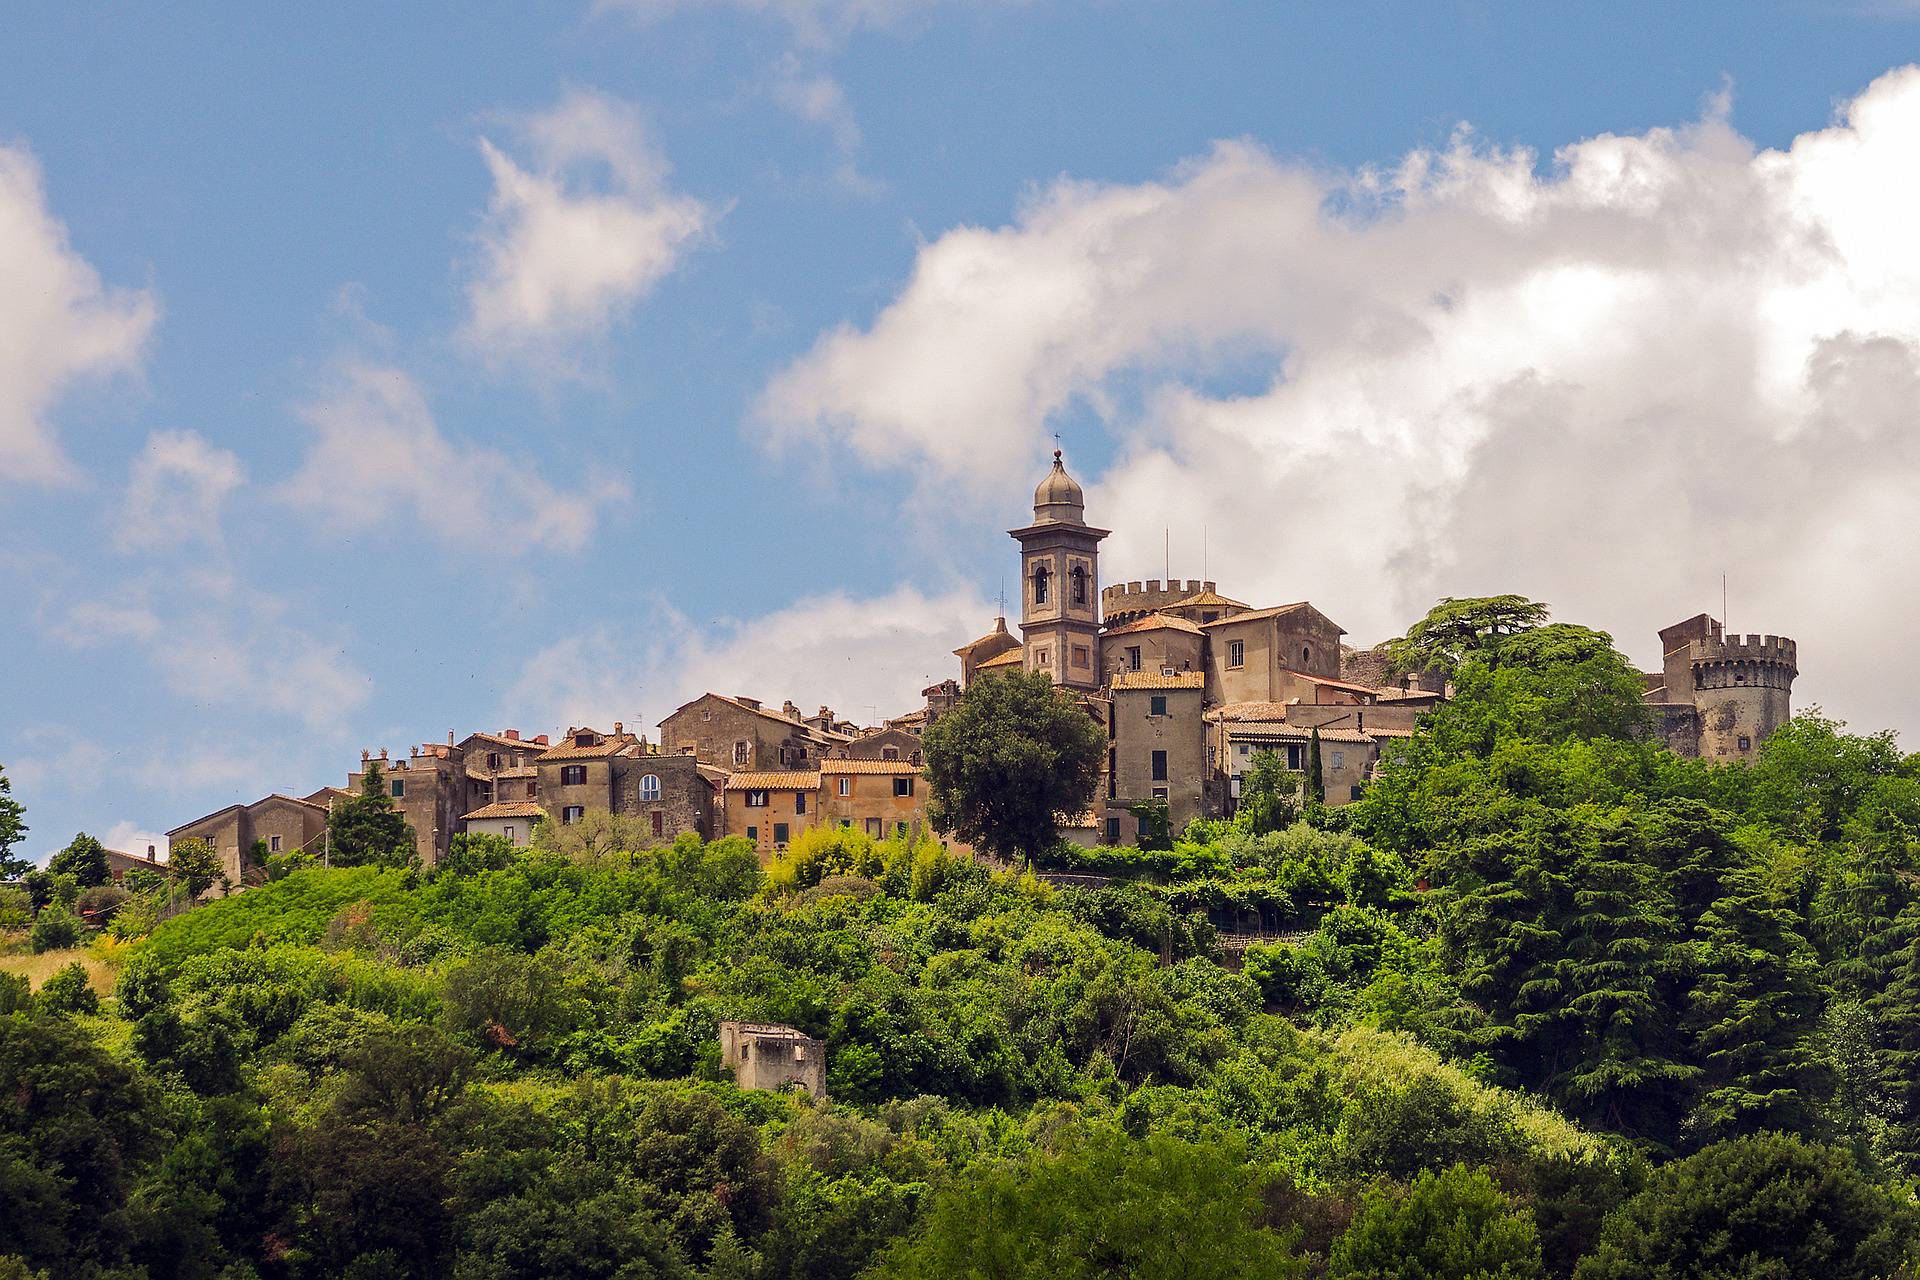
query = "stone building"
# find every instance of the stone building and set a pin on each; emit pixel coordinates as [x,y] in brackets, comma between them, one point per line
[738,733]
[771,1057]
[587,771]
[283,824]
[1719,696]
[771,807]
[429,788]
[884,798]
[989,646]
[1156,748]
[880,744]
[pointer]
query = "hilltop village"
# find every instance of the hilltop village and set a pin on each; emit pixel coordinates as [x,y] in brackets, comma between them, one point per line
[1190,684]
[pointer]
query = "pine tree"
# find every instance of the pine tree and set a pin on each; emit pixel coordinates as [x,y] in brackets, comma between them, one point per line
[368,829]
[1752,1017]
[1895,1011]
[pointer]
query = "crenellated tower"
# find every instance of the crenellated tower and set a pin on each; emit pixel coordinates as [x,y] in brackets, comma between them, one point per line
[1060,583]
[1741,687]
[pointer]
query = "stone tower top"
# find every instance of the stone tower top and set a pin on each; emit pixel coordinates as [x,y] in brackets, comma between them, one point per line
[1058,499]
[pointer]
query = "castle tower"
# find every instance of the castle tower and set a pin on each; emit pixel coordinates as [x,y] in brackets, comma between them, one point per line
[1060,583]
[1741,687]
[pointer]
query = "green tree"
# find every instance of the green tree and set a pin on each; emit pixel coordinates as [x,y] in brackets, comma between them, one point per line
[1316,775]
[1455,630]
[1269,795]
[54,929]
[1453,1225]
[367,829]
[84,858]
[1158,1208]
[1767,1207]
[13,826]
[193,863]
[471,851]
[1014,758]
[69,991]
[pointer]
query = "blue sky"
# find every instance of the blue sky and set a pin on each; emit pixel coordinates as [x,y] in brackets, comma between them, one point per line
[370,374]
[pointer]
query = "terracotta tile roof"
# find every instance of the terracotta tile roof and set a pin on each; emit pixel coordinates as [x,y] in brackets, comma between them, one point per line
[505,809]
[1205,599]
[1159,680]
[999,632]
[774,716]
[1389,733]
[1011,658]
[1293,732]
[515,744]
[869,766]
[1348,685]
[1155,622]
[773,781]
[1234,711]
[567,751]
[1255,615]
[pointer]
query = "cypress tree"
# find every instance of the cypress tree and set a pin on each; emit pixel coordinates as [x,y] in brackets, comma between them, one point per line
[1316,777]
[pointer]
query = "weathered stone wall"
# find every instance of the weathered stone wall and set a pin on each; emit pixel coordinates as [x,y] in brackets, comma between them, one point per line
[1136,734]
[771,1057]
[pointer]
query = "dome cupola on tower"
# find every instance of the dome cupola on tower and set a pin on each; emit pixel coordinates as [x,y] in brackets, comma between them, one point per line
[1058,498]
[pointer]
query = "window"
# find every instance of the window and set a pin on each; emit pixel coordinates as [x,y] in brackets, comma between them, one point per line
[650,787]
[847,823]
[573,775]
[1296,756]
[756,799]
[659,823]
[493,759]
[1082,656]
[900,830]
[786,755]
[1157,705]
[779,833]
[510,835]
[903,786]
[1040,584]
[845,785]
[799,802]
[1236,653]
[1140,826]
[273,844]
[399,788]
[1353,792]
[572,814]
[1133,657]
[1746,744]
[873,827]
[753,834]
[1042,657]
[739,753]
[1159,766]
[1159,793]
[1339,759]
[1113,773]
[1079,576]
[706,713]
[889,753]
[582,739]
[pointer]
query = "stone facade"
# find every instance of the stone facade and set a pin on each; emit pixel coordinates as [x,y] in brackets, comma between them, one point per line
[771,808]
[587,771]
[880,744]
[429,788]
[283,823]
[1156,747]
[1060,577]
[738,733]
[774,1058]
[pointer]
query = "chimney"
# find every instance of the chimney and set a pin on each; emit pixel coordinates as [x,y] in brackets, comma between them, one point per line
[539,739]
[449,737]
[751,704]
[618,728]
[790,711]
[512,735]
[150,853]
[364,756]
[825,712]
[383,753]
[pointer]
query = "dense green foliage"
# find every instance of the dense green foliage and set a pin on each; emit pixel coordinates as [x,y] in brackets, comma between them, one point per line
[366,830]
[1014,759]
[84,858]
[1547,1002]
[13,827]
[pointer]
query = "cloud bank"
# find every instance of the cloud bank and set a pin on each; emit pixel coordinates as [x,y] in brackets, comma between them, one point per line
[175,492]
[59,325]
[1603,380]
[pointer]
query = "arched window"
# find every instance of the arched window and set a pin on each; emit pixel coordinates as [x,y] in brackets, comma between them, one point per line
[1040,576]
[650,787]
[1079,575]
[1306,655]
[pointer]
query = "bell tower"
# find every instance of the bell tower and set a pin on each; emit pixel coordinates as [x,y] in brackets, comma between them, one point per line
[1060,583]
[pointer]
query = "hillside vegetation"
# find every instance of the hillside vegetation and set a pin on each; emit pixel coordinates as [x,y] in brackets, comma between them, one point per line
[1551,1002]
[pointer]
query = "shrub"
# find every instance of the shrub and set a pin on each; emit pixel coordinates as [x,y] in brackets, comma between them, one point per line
[16,993]
[54,929]
[101,898]
[1456,1225]
[69,991]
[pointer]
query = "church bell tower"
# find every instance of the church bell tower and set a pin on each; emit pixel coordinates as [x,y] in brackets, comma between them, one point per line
[1060,583]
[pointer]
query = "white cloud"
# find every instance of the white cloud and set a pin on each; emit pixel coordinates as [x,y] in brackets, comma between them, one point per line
[58,324]
[577,234]
[175,491]
[1602,381]
[217,643]
[377,450]
[867,658]
[135,838]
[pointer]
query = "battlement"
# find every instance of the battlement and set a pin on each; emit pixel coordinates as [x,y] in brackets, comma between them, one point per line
[1769,650]
[1131,600]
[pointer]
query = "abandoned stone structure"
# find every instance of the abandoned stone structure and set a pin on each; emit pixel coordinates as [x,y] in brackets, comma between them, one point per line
[771,1057]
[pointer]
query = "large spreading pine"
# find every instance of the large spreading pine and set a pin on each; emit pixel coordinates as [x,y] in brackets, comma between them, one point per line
[1014,759]
[367,829]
